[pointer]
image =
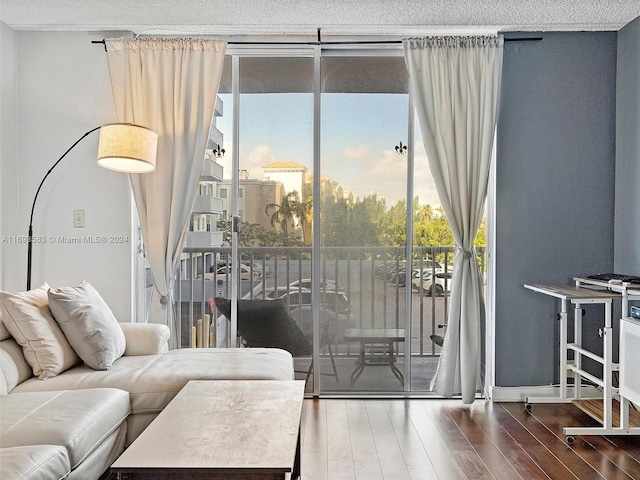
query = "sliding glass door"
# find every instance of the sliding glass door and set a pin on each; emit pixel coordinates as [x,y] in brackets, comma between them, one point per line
[364,158]
[321,172]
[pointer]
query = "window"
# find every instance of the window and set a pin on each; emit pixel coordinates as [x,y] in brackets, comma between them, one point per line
[223,193]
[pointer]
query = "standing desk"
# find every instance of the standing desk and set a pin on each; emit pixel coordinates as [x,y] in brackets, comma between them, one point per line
[627,290]
[579,295]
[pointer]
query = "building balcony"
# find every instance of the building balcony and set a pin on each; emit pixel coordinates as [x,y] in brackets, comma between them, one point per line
[203,239]
[207,204]
[218,109]
[215,138]
[211,171]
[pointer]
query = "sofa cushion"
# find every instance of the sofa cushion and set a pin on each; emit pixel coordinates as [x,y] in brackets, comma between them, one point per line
[29,320]
[14,368]
[88,323]
[79,420]
[153,380]
[34,462]
[4,333]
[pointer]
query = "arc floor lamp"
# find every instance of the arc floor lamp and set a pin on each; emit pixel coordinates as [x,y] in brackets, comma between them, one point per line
[123,147]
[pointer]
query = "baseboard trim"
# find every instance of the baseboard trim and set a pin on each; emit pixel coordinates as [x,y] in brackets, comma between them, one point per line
[519,394]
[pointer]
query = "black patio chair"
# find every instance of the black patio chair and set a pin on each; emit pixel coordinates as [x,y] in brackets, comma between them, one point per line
[268,323]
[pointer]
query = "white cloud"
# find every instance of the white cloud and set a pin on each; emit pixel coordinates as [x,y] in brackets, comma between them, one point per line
[253,161]
[359,152]
[386,176]
[423,185]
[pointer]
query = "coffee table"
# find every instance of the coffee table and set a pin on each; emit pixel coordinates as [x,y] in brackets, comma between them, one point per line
[221,430]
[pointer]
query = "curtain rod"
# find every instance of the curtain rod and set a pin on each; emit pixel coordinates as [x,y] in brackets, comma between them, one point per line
[349,42]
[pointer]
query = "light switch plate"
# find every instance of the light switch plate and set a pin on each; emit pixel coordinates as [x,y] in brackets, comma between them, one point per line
[78,218]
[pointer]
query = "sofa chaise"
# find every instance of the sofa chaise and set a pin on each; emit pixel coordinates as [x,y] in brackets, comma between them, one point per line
[75,423]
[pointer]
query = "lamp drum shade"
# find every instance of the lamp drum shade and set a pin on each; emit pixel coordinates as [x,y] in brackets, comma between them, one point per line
[125,147]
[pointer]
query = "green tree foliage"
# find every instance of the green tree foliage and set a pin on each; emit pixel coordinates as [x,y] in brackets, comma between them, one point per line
[431,227]
[394,233]
[366,223]
[249,235]
[481,237]
[335,218]
[371,223]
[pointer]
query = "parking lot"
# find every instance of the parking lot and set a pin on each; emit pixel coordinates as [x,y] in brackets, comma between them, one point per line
[374,302]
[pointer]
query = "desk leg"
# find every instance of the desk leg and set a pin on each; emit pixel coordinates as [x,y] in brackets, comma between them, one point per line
[563,397]
[607,367]
[577,339]
[563,349]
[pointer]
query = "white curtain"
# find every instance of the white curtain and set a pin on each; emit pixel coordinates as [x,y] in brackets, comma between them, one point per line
[170,86]
[455,82]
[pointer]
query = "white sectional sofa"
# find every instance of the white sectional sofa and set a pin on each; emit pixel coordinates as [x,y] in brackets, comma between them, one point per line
[75,424]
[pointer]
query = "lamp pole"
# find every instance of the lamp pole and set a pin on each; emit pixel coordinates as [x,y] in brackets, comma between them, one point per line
[33,206]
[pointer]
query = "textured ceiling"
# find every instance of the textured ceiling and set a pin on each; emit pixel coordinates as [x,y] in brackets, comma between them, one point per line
[305,16]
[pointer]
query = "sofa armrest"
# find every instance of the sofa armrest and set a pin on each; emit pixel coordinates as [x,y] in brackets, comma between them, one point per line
[145,338]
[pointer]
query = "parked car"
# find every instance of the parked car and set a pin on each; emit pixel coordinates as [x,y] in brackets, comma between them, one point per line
[399,275]
[331,323]
[257,265]
[428,265]
[401,278]
[222,272]
[336,301]
[393,272]
[383,269]
[429,285]
[329,299]
[325,285]
[335,311]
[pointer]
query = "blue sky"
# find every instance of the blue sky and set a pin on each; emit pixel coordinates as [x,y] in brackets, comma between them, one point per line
[359,133]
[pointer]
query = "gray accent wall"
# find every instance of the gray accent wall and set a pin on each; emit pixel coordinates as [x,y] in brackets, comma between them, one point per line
[555,189]
[627,211]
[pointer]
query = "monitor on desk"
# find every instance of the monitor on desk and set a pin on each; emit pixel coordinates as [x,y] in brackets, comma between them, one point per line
[607,277]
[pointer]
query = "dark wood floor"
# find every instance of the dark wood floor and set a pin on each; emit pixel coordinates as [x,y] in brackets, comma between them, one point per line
[445,440]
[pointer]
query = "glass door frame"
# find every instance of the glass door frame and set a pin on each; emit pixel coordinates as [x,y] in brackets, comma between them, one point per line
[317,51]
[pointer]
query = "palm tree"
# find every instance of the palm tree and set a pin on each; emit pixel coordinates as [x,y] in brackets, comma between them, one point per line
[284,214]
[304,213]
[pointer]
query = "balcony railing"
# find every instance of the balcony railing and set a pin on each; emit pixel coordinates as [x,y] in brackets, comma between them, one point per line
[203,239]
[211,171]
[364,286]
[207,204]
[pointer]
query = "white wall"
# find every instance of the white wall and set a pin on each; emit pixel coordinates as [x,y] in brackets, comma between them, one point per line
[8,150]
[64,90]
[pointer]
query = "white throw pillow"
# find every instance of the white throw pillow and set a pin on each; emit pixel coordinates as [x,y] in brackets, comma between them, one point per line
[29,320]
[89,324]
